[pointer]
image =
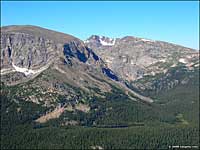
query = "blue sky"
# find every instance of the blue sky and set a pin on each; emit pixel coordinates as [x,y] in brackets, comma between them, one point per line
[175,22]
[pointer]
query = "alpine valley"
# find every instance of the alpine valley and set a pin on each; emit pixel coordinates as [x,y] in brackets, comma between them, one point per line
[102,93]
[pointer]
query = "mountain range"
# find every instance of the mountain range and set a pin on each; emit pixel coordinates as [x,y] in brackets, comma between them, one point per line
[52,80]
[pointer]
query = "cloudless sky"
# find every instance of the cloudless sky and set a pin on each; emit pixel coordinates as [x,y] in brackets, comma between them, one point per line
[175,22]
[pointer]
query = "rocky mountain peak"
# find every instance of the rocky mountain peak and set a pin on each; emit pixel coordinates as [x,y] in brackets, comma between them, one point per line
[133,58]
[101,40]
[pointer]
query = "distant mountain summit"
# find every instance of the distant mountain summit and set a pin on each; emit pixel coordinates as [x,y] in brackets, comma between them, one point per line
[132,58]
[100,41]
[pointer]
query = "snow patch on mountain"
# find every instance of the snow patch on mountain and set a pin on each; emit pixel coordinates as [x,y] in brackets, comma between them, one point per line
[182,60]
[23,70]
[147,40]
[110,43]
[162,60]
[27,71]
[87,41]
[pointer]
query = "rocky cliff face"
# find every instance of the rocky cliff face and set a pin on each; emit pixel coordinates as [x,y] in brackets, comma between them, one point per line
[26,50]
[33,47]
[29,50]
